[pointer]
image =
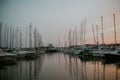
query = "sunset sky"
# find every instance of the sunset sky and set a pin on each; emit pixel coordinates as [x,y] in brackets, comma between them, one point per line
[54,18]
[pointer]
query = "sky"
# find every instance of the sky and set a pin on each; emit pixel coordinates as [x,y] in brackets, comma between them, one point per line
[54,18]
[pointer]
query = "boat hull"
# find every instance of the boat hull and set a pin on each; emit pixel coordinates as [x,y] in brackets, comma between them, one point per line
[112,57]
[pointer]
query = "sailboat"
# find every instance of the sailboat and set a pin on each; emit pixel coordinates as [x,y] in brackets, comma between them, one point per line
[101,49]
[76,50]
[68,49]
[115,55]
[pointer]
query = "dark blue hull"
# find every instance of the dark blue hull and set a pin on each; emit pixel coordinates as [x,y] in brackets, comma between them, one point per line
[112,57]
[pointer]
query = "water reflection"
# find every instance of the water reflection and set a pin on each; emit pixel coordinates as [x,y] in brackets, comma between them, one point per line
[92,69]
[59,66]
[24,70]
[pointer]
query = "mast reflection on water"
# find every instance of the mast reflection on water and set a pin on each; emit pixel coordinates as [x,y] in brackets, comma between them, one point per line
[59,66]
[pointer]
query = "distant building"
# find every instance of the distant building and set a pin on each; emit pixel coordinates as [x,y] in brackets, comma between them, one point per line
[50,45]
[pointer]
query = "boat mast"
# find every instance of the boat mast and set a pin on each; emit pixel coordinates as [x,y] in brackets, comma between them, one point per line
[20,39]
[39,42]
[84,30]
[35,40]
[0,34]
[5,36]
[12,35]
[69,37]
[59,44]
[16,35]
[97,35]
[114,28]
[82,33]
[65,40]
[93,34]
[102,34]
[6,40]
[8,37]
[76,35]
[26,37]
[30,36]
[73,37]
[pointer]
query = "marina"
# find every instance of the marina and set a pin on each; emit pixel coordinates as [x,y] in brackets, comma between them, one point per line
[76,56]
[60,40]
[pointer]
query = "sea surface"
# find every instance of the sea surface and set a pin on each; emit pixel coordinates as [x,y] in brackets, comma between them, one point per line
[60,66]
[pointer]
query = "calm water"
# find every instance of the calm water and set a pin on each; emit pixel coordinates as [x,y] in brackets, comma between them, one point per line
[59,66]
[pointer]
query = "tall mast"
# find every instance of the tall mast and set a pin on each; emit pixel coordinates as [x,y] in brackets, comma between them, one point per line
[102,34]
[59,44]
[69,37]
[82,33]
[73,37]
[26,37]
[30,36]
[11,37]
[39,38]
[76,35]
[84,30]
[5,36]
[80,36]
[41,43]
[20,42]
[12,41]
[0,34]
[16,38]
[114,28]
[65,40]
[97,34]
[93,34]
[35,39]
[8,37]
